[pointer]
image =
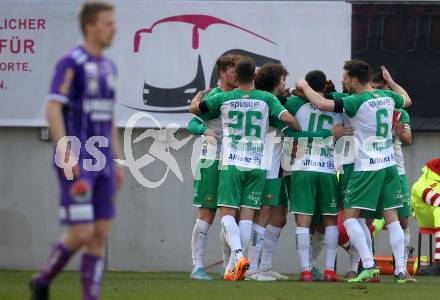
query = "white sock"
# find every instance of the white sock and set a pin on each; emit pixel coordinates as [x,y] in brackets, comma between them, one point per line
[198,243]
[271,238]
[226,250]
[358,239]
[407,239]
[303,246]
[316,244]
[231,263]
[245,227]
[331,246]
[367,233]
[354,259]
[255,247]
[397,245]
[232,234]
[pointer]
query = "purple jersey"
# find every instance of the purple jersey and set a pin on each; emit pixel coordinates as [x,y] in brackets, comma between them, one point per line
[85,84]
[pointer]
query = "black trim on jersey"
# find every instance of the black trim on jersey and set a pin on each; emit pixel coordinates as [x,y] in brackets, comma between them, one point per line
[203,107]
[329,96]
[283,100]
[339,106]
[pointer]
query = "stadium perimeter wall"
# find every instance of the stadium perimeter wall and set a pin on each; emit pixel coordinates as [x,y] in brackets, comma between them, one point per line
[153,227]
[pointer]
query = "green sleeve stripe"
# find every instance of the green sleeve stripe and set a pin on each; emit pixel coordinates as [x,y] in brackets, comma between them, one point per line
[352,104]
[294,103]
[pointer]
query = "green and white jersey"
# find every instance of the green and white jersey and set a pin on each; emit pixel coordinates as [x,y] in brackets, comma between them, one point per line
[317,154]
[371,116]
[346,143]
[245,119]
[402,117]
[274,142]
[210,149]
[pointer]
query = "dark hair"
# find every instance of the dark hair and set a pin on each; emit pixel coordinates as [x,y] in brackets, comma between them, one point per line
[89,12]
[245,68]
[316,79]
[378,77]
[269,75]
[358,69]
[225,61]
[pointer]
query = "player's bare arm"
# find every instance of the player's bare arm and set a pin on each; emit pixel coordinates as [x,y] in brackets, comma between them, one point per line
[54,115]
[55,119]
[395,87]
[403,133]
[290,120]
[194,106]
[315,98]
[339,131]
[212,133]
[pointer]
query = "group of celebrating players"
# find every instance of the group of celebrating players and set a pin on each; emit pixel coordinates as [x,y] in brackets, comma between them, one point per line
[310,150]
[266,150]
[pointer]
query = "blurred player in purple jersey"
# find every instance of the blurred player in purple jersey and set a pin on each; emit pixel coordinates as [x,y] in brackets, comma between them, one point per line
[80,116]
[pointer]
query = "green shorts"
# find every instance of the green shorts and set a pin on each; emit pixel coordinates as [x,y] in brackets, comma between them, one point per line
[240,187]
[272,191]
[285,191]
[343,179]
[312,192]
[316,218]
[405,210]
[205,189]
[374,190]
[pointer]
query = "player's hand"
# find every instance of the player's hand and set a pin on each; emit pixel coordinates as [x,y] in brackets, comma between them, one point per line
[386,74]
[340,131]
[199,96]
[299,93]
[286,92]
[399,128]
[119,176]
[204,92]
[212,133]
[74,172]
[329,87]
[301,84]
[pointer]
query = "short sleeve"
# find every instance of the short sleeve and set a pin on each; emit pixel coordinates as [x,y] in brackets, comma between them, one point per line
[293,104]
[275,107]
[351,105]
[404,117]
[338,95]
[62,80]
[398,99]
[196,126]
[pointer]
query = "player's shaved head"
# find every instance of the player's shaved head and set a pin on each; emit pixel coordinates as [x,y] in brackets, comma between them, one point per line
[269,76]
[358,69]
[245,68]
[89,13]
[316,79]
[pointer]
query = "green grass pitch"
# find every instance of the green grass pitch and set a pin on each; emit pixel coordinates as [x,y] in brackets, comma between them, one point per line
[176,286]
